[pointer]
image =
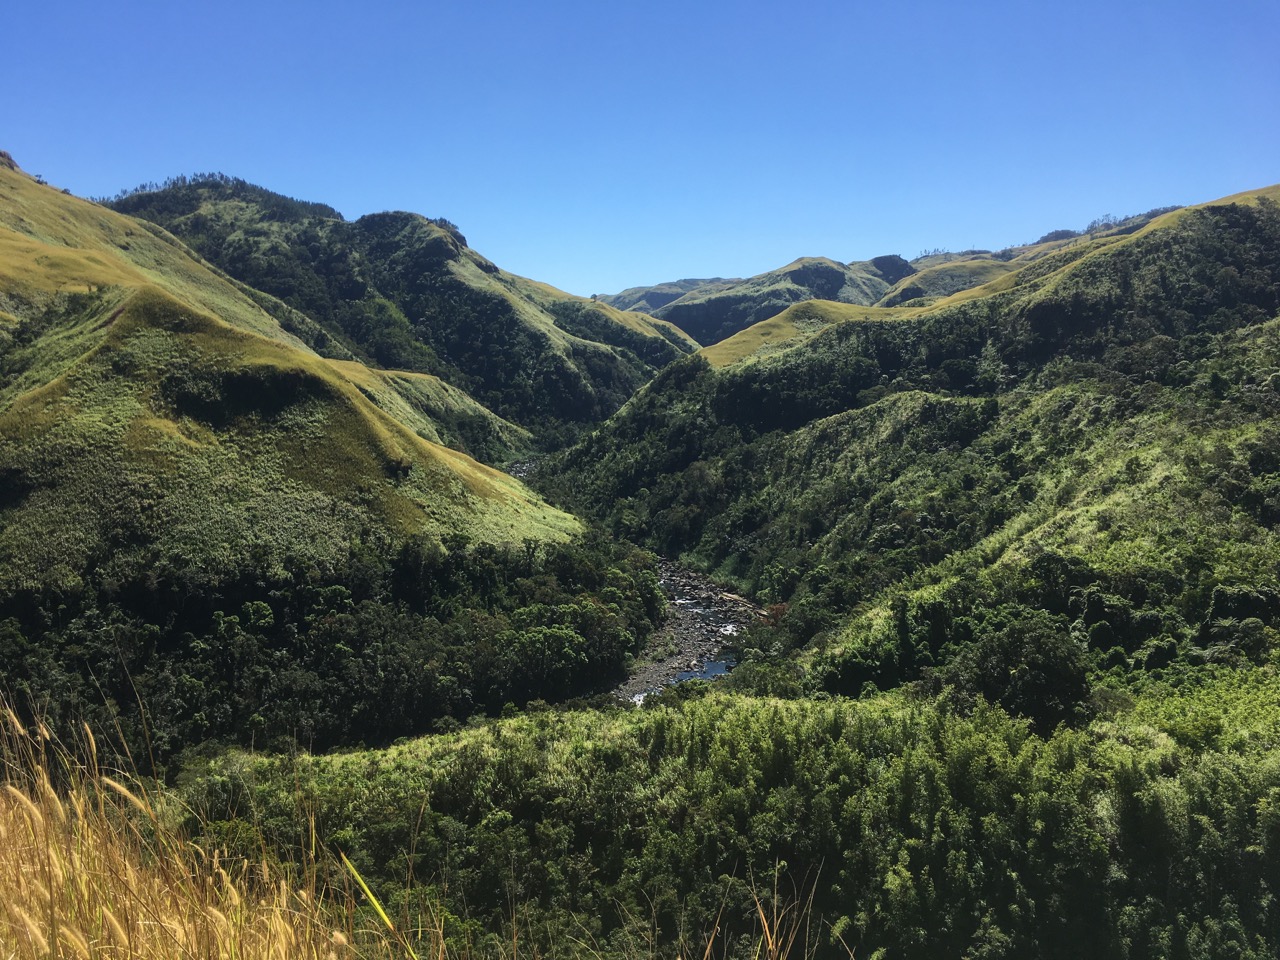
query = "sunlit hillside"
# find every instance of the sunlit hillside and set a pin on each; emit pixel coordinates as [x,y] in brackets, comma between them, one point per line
[404,291]
[1079,456]
[148,402]
[209,525]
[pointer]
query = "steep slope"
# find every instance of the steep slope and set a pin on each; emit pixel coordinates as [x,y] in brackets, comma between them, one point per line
[1084,449]
[405,292]
[210,532]
[148,401]
[711,313]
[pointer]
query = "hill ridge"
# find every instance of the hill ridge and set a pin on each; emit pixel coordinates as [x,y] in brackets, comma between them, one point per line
[403,291]
[126,359]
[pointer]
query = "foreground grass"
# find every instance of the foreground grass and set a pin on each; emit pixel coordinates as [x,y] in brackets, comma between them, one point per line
[89,868]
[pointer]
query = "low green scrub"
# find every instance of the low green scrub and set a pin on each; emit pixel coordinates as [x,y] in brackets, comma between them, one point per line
[918,831]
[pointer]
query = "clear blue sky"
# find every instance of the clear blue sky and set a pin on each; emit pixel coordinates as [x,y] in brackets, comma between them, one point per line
[598,145]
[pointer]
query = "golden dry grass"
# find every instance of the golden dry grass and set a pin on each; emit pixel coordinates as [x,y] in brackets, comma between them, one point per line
[90,868]
[54,243]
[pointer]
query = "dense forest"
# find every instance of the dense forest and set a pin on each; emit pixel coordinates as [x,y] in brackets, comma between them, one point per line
[213,535]
[390,642]
[904,827]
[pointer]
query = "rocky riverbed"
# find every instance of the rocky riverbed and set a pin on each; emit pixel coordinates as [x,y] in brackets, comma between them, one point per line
[702,619]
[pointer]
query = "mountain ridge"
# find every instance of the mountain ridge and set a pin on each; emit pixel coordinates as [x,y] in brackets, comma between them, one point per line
[1013,527]
[404,291]
[191,377]
[713,311]
[886,473]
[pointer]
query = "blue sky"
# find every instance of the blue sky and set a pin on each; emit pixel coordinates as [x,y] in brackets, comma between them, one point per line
[598,145]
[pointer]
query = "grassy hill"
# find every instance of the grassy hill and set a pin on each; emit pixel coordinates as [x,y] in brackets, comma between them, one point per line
[650,299]
[402,291]
[931,283]
[714,310]
[711,313]
[201,514]
[1100,424]
[129,360]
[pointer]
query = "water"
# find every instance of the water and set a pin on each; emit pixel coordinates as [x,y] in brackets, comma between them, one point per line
[711,669]
[703,620]
[708,671]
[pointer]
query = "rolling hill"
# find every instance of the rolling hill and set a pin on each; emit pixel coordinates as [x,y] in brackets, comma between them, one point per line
[710,313]
[712,310]
[1013,519]
[651,299]
[200,513]
[402,291]
[146,399]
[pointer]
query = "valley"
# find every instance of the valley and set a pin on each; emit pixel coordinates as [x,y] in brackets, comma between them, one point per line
[367,560]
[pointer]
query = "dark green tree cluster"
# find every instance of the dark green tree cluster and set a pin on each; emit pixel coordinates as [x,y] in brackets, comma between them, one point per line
[389,643]
[170,197]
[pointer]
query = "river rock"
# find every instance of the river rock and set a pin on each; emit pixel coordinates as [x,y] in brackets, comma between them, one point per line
[701,620]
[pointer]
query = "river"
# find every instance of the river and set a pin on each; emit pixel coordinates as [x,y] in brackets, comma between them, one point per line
[702,620]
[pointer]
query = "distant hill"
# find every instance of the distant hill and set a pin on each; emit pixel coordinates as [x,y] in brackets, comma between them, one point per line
[404,292]
[929,283]
[651,299]
[713,310]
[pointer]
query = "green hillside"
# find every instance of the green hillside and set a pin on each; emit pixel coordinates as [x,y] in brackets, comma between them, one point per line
[714,310]
[650,299]
[885,827]
[1012,520]
[129,360]
[405,292]
[200,514]
[1100,424]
